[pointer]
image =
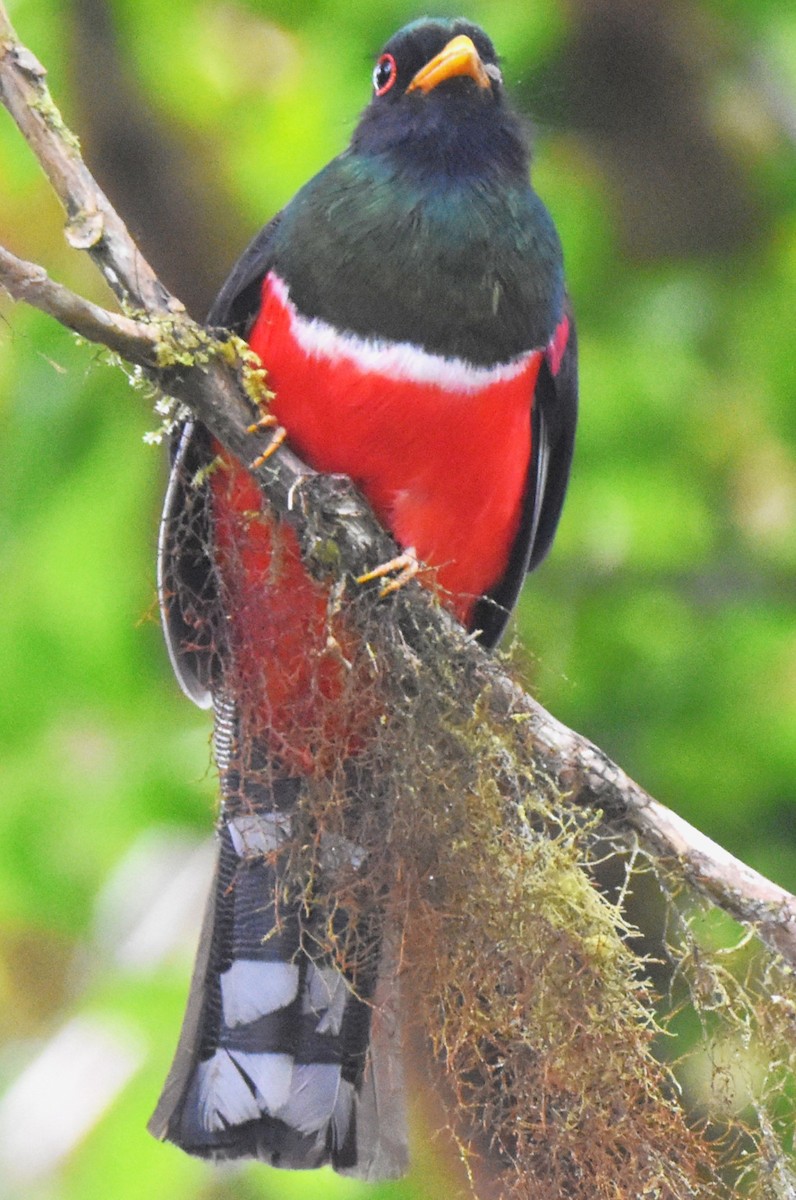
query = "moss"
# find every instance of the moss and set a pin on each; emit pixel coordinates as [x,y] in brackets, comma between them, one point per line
[526,973]
[527,977]
[183,344]
[46,107]
[326,553]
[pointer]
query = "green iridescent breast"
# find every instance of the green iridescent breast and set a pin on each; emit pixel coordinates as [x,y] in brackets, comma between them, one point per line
[469,267]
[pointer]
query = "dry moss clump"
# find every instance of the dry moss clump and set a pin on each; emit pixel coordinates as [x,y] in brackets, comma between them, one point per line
[428,821]
[532,996]
[565,1066]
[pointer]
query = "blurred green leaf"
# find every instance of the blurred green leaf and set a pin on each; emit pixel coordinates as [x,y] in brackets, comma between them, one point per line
[662,625]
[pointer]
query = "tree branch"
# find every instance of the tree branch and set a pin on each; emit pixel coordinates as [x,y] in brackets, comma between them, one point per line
[135,341]
[92,223]
[206,374]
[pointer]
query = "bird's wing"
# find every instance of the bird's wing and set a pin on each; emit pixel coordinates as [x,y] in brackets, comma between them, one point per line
[187,586]
[239,299]
[553,419]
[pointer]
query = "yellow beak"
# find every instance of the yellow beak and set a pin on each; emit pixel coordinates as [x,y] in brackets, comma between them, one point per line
[459,57]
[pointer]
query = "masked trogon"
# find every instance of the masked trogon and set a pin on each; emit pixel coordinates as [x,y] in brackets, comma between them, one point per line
[409,307]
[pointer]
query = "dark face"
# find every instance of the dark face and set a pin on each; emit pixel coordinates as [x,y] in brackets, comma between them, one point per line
[438,105]
[426,55]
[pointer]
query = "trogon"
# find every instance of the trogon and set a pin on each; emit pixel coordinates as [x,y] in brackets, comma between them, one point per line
[410,309]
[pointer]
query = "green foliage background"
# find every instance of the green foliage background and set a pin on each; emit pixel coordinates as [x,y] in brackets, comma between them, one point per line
[662,626]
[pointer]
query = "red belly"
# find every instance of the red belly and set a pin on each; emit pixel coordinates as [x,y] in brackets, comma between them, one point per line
[444,467]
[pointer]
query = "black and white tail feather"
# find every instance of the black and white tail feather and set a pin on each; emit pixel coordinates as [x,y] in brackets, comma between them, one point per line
[284,1055]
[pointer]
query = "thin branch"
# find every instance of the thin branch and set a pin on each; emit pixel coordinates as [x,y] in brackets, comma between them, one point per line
[92,222]
[593,778]
[203,372]
[135,341]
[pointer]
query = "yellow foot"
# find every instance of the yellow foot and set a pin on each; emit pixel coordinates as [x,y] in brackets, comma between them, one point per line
[266,421]
[406,566]
[280,433]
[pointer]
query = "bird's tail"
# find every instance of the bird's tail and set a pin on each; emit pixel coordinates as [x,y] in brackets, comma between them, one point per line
[289,1050]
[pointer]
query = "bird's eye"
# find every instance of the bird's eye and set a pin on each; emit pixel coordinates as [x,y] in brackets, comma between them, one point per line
[385,74]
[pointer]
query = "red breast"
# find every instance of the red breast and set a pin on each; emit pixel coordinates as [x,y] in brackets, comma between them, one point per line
[440,448]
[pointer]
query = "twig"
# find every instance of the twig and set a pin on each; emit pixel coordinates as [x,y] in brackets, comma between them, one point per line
[189,364]
[92,222]
[135,341]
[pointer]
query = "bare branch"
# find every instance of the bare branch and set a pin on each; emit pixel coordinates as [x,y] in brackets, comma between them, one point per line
[92,223]
[135,341]
[204,373]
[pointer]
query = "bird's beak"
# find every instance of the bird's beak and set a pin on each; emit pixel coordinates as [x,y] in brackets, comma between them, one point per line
[459,57]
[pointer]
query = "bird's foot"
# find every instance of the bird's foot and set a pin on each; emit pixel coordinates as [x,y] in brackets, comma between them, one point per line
[280,433]
[266,421]
[403,568]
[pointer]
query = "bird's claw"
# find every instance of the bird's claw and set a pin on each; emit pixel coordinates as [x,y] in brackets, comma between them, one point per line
[280,433]
[266,421]
[404,568]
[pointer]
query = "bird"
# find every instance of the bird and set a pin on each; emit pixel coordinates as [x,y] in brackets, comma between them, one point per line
[410,309]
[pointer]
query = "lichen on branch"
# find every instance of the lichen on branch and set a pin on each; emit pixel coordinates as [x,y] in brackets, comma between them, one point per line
[494,821]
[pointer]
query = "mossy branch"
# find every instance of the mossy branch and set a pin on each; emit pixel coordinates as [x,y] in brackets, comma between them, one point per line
[560,1072]
[207,373]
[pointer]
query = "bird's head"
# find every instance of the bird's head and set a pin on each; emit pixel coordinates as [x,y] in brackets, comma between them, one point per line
[438,102]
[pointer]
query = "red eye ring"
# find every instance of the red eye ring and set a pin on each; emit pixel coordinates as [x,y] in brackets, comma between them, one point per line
[385,74]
